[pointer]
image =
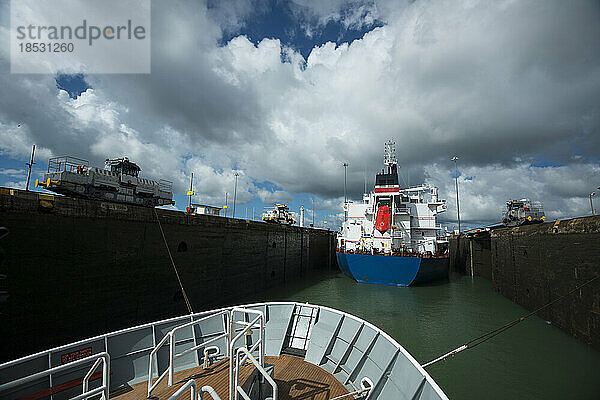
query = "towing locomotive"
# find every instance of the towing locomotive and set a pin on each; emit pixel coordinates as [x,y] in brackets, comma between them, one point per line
[119,181]
[523,212]
[279,214]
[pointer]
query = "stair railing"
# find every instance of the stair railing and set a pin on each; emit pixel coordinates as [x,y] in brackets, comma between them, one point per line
[172,356]
[105,361]
[258,321]
[237,389]
[194,395]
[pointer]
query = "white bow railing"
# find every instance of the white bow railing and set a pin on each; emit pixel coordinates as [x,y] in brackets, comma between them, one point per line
[100,358]
[170,337]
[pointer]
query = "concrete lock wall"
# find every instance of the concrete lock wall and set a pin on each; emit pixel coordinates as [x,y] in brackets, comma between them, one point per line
[76,268]
[471,255]
[535,264]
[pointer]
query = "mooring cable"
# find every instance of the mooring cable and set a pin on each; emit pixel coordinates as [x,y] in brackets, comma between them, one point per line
[187,301]
[487,336]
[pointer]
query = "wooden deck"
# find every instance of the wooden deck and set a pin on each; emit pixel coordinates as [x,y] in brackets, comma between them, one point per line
[296,379]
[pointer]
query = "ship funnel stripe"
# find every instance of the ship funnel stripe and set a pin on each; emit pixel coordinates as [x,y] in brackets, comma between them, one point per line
[387,189]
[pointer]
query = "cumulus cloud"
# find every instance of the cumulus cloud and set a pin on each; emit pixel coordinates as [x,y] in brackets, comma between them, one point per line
[273,196]
[13,173]
[483,191]
[506,85]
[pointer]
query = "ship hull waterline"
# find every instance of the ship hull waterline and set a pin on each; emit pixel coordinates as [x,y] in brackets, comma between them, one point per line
[393,270]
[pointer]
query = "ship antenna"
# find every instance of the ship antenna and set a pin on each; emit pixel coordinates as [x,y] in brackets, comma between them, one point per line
[390,154]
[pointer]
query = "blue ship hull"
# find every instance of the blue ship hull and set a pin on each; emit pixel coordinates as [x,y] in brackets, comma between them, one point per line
[393,270]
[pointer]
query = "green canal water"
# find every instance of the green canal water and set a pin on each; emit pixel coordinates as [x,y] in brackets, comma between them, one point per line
[533,360]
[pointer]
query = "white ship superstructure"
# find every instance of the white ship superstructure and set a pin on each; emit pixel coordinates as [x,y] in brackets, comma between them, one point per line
[393,220]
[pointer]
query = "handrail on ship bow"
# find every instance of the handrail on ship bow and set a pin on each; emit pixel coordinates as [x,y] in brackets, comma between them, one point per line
[194,395]
[247,356]
[103,357]
[229,331]
[232,350]
[172,356]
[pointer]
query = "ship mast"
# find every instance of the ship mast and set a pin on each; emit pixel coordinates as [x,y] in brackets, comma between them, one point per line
[389,159]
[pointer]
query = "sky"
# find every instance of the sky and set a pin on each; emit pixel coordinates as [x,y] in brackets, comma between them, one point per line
[283,93]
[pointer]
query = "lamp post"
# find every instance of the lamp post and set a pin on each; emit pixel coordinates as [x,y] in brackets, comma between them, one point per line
[191,193]
[236,174]
[591,203]
[226,204]
[313,212]
[345,196]
[29,165]
[455,159]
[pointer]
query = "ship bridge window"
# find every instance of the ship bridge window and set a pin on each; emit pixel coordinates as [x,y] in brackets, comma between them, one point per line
[125,169]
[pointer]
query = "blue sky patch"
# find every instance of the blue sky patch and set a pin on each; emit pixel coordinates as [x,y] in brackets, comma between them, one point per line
[72,84]
[278,20]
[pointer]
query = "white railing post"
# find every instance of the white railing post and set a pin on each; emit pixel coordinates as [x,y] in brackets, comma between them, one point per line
[231,333]
[171,357]
[106,376]
[89,374]
[262,342]
[236,378]
[105,360]
[150,374]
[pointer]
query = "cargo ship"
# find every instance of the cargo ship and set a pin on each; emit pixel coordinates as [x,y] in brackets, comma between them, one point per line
[391,237]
